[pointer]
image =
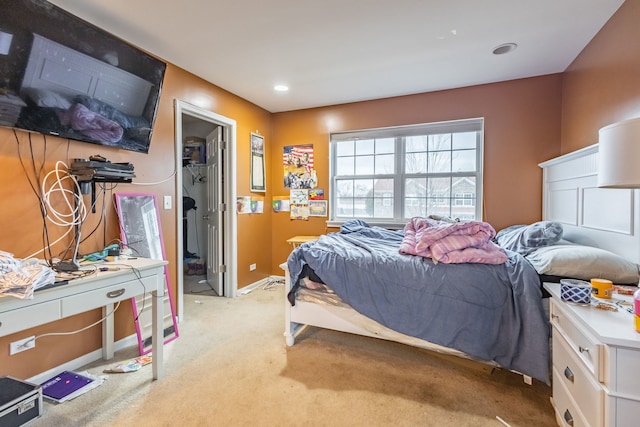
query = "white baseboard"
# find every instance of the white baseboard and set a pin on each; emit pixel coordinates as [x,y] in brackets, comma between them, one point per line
[259,283]
[75,364]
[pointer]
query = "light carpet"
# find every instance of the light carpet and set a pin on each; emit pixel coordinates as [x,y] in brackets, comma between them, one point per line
[231,367]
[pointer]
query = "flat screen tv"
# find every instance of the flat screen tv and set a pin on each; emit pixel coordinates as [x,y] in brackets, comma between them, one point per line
[62,76]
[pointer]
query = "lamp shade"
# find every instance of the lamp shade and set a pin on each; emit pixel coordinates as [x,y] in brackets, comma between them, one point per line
[619,155]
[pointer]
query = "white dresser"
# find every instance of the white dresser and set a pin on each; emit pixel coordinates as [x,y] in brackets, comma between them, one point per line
[596,364]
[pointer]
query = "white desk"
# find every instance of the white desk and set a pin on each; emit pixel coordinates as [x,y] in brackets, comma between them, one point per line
[102,289]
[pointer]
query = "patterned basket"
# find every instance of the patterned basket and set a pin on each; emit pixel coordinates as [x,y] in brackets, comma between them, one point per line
[575,291]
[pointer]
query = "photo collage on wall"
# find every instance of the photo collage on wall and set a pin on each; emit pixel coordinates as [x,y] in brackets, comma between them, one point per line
[304,199]
[300,178]
[297,161]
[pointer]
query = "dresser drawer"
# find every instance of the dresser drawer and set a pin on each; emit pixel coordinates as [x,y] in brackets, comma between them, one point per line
[586,347]
[578,381]
[85,301]
[567,411]
[28,317]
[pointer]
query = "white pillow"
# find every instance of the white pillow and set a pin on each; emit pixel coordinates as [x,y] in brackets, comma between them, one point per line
[585,263]
[47,98]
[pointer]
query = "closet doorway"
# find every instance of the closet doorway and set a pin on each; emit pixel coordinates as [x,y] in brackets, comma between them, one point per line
[206,242]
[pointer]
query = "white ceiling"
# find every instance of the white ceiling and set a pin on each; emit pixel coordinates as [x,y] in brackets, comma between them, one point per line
[337,51]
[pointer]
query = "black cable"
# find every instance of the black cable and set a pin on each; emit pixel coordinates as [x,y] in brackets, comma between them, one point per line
[36,189]
[102,193]
[138,275]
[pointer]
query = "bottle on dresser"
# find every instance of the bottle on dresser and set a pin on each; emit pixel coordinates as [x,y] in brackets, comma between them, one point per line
[636,309]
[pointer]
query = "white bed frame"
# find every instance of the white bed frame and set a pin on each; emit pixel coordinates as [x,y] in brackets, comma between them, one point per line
[591,216]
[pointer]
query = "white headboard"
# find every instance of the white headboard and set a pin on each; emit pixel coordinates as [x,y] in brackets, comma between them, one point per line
[601,217]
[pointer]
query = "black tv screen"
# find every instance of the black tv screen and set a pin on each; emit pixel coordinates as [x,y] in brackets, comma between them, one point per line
[62,76]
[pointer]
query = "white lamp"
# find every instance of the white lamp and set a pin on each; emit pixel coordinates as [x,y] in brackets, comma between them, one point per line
[5,42]
[618,154]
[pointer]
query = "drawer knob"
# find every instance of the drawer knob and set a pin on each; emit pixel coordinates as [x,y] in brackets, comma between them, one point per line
[568,374]
[568,418]
[115,294]
[555,316]
[583,349]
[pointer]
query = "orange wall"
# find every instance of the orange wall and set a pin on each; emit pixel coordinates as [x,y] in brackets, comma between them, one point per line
[522,129]
[526,121]
[249,118]
[21,225]
[602,85]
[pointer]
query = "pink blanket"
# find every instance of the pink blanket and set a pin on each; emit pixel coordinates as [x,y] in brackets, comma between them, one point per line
[450,243]
[95,126]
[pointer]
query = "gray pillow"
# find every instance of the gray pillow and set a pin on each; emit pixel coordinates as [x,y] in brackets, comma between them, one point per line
[584,263]
[526,238]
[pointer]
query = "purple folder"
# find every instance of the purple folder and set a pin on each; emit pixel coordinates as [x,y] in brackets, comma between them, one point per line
[63,384]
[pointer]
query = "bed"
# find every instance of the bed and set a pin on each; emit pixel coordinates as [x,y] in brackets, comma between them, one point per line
[357,281]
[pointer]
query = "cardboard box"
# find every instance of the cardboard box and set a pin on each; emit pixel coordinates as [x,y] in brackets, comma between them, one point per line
[20,402]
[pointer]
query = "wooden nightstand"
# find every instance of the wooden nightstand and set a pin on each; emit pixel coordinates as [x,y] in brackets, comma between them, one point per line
[10,107]
[596,364]
[298,240]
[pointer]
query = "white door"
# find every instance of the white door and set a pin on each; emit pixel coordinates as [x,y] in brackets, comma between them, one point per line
[213,217]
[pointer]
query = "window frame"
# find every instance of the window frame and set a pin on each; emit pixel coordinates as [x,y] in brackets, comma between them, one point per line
[400,133]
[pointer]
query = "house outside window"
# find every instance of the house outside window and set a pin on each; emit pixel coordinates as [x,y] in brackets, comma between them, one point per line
[386,176]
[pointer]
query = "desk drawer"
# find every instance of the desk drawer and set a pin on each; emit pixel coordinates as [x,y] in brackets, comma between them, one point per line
[28,317]
[577,380]
[85,301]
[583,345]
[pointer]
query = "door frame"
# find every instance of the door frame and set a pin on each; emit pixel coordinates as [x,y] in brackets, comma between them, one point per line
[229,220]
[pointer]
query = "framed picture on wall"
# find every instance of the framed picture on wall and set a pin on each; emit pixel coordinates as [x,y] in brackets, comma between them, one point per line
[257,163]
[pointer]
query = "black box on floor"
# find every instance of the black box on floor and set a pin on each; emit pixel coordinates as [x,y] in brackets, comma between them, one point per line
[20,402]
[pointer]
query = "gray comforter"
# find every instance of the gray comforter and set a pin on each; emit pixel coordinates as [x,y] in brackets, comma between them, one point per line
[491,312]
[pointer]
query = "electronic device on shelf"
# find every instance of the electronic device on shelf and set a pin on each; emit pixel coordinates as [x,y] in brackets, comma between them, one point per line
[101,170]
[98,169]
[87,172]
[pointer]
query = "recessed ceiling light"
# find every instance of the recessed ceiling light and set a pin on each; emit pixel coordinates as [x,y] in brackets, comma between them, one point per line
[504,48]
[281,88]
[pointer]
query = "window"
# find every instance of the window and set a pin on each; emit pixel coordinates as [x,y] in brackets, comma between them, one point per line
[386,176]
